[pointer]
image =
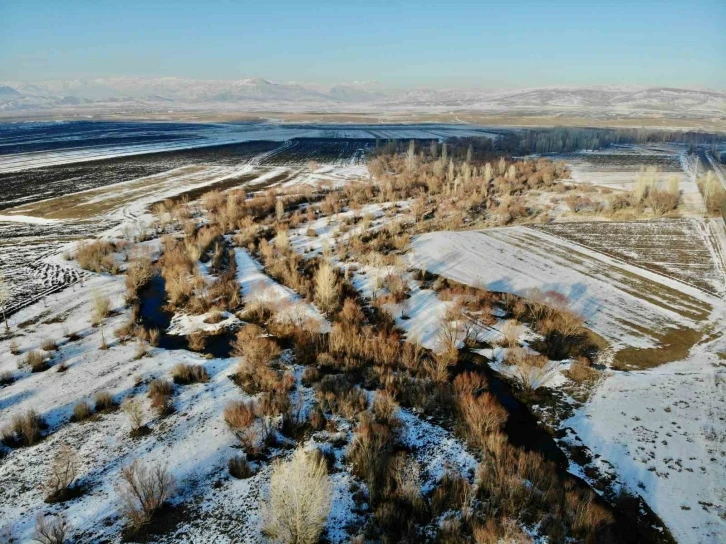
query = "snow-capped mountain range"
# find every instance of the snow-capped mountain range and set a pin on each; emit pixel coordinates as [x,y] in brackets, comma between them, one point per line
[260,94]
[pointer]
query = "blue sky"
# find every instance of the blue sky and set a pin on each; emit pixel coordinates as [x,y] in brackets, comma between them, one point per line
[397,43]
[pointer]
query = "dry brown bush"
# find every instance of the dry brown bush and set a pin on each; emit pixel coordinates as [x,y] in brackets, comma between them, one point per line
[186,374]
[451,492]
[581,371]
[585,515]
[96,256]
[143,489]
[482,415]
[197,340]
[36,360]
[497,531]
[239,415]
[531,370]
[101,308]
[384,408]
[257,349]
[82,411]
[6,377]
[24,430]
[160,387]
[469,383]
[104,401]
[139,273]
[326,288]
[370,453]
[339,395]
[511,331]
[661,202]
[351,313]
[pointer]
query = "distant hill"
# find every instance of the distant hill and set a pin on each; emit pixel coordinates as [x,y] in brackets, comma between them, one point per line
[255,94]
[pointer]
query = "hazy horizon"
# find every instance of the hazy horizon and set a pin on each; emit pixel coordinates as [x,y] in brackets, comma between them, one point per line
[402,46]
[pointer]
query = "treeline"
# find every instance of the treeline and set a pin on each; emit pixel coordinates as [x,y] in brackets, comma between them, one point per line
[563,140]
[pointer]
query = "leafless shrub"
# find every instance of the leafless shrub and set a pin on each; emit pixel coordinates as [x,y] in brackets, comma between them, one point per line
[300,499]
[48,345]
[143,489]
[139,273]
[661,202]
[451,492]
[63,473]
[51,529]
[586,516]
[101,308]
[185,374]
[134,410]
[256,348]
[370,453]
[240,468]
[14,347]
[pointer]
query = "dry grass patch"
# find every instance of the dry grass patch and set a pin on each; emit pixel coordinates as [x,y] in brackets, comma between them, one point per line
[184,374]
[674,346]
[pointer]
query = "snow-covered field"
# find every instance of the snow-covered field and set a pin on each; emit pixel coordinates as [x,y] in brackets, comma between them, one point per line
[625,304]
[662,433]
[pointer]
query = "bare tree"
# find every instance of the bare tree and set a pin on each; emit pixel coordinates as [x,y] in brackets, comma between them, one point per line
[63,472]
[299,502]
[143,490]
[279,209]
[51,529]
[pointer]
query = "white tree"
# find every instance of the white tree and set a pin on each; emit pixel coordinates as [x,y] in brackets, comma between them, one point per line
[299,502]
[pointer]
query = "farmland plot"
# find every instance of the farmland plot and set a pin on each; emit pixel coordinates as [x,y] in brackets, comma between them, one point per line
[689,250]
[629,306]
